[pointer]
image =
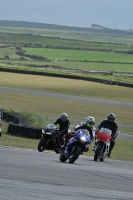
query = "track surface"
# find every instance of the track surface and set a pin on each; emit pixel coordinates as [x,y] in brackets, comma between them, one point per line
[31,175]
[65,96]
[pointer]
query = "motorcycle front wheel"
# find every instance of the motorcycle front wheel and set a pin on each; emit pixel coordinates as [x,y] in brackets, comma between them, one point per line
[97,153]
[74,155]
[41,145]
[62,157]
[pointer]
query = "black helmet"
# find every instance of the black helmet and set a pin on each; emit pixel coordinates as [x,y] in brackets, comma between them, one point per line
[64,117]
[111,117]
[90,121]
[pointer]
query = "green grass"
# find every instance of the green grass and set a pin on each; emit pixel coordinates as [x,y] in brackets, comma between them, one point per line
[78,58]
[69,86]
[9,52]
[67,65]
[57,54]
[60,42]
[87,36]
[49,106]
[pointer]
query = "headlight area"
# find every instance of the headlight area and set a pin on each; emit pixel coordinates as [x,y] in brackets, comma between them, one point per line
[83,139]
[43,132]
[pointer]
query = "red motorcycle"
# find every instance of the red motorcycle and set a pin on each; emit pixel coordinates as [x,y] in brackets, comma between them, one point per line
[102,144]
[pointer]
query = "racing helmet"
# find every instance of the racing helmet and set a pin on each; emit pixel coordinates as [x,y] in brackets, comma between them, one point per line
[64,117]
[111,117]
[90,121]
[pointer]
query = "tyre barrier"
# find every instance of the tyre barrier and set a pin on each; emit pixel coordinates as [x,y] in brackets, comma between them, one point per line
[19,126]
[23,131]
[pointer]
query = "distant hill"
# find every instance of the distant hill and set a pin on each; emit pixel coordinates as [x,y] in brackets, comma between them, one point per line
[93,28]
[96,26]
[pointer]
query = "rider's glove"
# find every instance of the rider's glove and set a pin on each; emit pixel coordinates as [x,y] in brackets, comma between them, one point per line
[86,148]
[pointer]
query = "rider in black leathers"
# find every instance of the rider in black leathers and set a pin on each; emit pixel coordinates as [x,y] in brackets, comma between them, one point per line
[112,125]
[64,124]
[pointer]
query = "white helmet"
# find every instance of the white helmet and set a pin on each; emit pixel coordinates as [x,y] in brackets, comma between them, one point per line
[90,121]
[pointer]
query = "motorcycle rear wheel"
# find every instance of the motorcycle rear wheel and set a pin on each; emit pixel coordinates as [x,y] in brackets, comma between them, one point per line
[41,145]
[75,155]
[97,153]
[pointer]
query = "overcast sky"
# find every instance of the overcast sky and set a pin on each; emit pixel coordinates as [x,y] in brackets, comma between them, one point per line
[108,13]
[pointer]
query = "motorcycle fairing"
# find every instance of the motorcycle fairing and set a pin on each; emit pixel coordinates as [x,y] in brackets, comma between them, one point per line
[77,139]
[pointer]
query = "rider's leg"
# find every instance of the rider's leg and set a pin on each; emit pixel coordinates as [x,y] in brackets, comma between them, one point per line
[112,143]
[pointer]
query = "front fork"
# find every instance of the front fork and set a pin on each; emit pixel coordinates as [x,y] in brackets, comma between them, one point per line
[69,145]
[105,147]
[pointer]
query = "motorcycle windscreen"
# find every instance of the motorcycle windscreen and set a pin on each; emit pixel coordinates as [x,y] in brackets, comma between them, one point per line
[50,128]
[83,133]
[104,134]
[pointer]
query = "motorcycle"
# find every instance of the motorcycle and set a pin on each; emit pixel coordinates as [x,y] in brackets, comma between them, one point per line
[102,144]
[51,139]
[76,145]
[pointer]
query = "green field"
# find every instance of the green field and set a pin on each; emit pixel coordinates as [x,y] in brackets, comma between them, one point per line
[78,35]
[67,56]
[77,55]
[71,65]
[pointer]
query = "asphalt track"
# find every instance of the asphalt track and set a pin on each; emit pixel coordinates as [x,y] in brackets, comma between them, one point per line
[66,96]
[31,175]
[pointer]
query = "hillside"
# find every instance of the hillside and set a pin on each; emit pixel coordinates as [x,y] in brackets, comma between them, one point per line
[93,28]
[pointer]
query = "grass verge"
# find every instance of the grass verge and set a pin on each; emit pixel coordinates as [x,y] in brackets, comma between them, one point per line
[67,86]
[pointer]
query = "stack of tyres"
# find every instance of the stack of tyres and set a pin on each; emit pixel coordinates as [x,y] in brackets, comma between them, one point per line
[32,133]
[12,129]
[26,132]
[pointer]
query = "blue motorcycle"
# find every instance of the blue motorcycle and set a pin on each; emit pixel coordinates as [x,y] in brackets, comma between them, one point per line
[75,146]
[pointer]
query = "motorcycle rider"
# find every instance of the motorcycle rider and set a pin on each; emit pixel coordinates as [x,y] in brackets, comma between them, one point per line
[88,124]
[64,124]
[1,117]
[113,126]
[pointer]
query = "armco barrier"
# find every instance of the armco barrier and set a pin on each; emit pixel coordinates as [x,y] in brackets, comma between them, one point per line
[20,128]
